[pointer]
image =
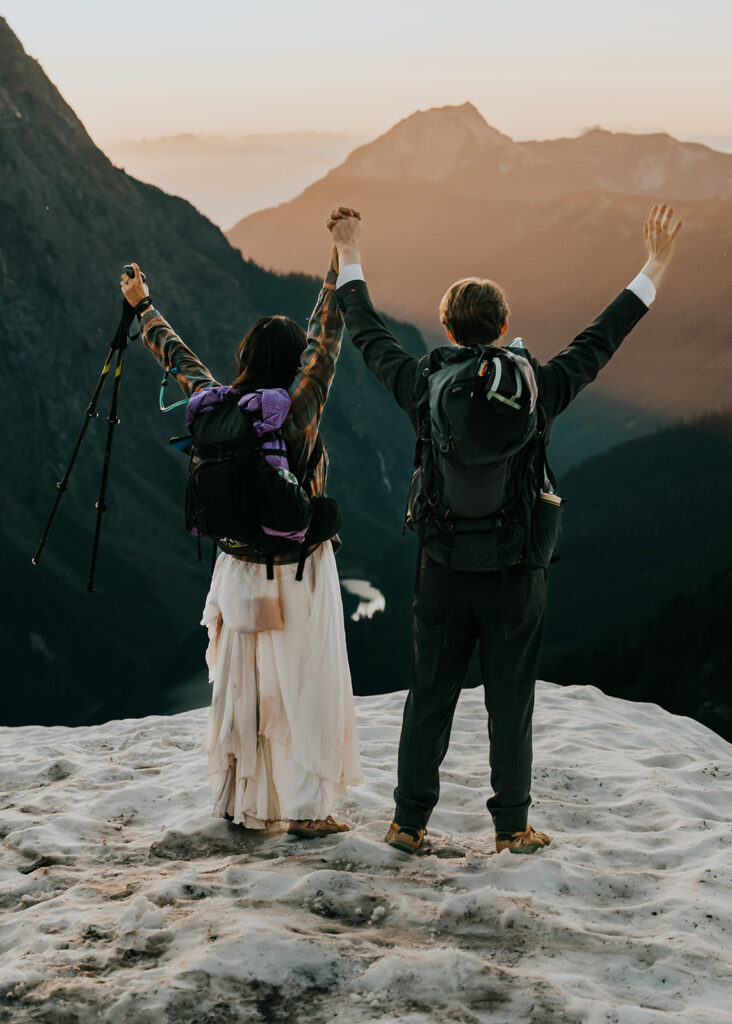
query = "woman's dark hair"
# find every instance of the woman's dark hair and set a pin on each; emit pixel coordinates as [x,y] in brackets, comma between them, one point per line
[269,354]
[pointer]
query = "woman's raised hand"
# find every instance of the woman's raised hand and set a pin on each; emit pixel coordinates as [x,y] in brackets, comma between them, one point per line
[134,288]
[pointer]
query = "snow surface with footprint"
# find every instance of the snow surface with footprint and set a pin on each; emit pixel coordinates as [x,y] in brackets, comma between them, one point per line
[122,901]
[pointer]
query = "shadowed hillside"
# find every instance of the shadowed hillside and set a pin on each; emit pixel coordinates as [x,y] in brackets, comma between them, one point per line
[639,601]
[228,177]
[643,521]
[678,657]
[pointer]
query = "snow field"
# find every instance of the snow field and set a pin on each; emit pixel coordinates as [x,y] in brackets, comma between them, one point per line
[122,901]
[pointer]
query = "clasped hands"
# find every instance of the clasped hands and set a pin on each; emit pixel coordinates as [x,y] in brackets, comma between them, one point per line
[344,223]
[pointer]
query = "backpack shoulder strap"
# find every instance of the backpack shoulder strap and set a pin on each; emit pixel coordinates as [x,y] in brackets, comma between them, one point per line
[437,359]
[312,464]
[429,365]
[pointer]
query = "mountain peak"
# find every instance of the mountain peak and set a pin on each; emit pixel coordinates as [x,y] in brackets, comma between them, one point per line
[12,54]
[463,118]
[13,58]
[32,111]
[428,144]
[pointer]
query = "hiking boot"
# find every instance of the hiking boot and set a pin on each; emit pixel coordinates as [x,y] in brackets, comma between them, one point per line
[528,841]
[408,840]
[306,828]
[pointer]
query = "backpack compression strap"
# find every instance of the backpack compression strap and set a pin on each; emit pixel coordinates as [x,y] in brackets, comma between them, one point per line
[312,464]
[544,433]
[493,391]
[301,561]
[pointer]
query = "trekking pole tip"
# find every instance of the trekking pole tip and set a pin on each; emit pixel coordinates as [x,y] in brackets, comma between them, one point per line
[90,586]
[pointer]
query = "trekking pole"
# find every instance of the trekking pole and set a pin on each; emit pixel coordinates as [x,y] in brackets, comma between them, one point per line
[118,344]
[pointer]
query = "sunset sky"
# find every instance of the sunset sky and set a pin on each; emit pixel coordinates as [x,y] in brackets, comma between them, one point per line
[533,69]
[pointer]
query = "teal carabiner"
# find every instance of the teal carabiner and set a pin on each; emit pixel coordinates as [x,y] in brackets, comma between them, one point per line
[163,385]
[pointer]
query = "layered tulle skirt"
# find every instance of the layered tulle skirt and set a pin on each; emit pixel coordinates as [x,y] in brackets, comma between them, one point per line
[281,734]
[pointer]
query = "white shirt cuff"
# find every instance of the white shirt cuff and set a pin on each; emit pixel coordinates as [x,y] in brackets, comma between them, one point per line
[351,272]
[644,288]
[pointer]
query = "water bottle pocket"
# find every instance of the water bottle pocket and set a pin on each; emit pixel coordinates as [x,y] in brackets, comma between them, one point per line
[546,524]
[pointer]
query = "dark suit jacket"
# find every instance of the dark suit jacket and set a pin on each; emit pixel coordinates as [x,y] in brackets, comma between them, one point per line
[559,381]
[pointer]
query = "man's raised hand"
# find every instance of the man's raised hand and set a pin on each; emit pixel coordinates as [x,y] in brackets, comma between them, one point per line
[657,234]
[660,239]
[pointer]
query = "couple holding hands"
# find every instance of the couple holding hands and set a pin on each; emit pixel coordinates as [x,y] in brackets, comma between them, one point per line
[281,734]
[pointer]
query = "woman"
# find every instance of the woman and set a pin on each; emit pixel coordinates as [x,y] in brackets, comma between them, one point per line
[281,734]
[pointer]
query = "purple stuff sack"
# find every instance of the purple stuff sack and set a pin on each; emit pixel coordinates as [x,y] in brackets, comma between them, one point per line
[267,409]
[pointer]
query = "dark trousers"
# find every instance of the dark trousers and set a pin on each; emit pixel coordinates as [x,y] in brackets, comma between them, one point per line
[504,614]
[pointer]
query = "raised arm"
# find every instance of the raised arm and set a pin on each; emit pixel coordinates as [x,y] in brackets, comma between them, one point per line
[162,340]
[564,376]
[382,353]
[309,390]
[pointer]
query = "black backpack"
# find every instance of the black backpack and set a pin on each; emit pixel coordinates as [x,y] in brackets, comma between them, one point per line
[234,496]
[481,496]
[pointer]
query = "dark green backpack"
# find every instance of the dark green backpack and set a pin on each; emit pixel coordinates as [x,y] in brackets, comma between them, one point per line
[241,491]
[480,465]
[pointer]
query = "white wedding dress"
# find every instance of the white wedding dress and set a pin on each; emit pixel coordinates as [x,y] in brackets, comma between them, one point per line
[281,734]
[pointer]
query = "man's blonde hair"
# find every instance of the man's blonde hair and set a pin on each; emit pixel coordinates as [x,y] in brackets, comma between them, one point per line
[474,311]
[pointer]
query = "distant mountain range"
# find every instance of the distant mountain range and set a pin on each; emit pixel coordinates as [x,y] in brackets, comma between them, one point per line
[70,221]
[226,178]
[456,147]
[558,223]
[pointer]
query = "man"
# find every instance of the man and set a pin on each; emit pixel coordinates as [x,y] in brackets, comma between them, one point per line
[455,608]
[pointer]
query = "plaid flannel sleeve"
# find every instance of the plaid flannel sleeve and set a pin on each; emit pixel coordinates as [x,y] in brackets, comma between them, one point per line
[311,385]
[172,354]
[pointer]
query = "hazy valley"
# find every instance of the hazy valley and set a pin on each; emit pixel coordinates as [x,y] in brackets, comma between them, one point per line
[227,178]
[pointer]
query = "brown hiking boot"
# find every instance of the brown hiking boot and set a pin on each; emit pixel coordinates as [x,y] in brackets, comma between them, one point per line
[528,841]
[309,829]
[408,840]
